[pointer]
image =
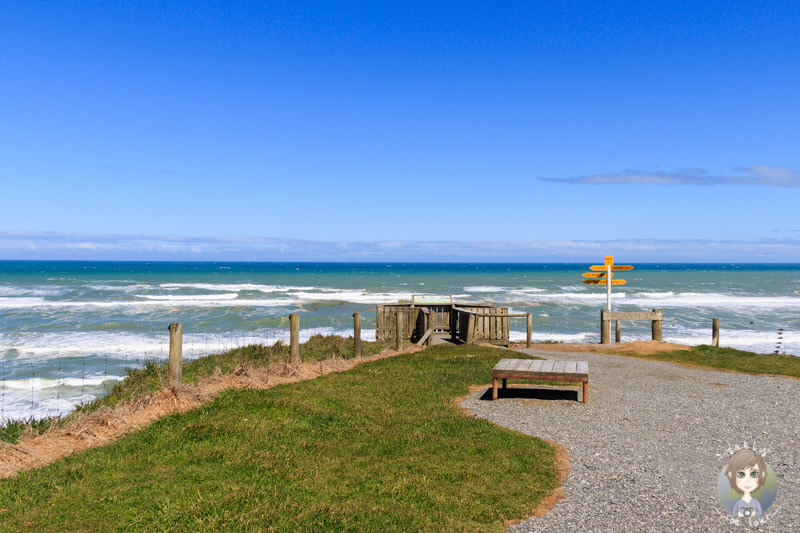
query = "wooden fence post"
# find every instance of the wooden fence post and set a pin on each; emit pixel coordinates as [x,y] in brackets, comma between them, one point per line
[529,341]
[380,328]
[605,328]
[294,337]
[470,328]
[617,331]
[399,329]
[356,335]
[715,332]
[656,326]
[431,324]
[175,353]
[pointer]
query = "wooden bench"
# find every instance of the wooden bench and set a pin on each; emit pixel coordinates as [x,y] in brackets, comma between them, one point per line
[541,369]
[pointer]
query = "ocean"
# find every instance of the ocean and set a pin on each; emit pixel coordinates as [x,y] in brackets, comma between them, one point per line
[69,330]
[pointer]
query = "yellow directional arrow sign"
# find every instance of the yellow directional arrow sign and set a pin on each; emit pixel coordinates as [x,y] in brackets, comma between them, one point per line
[595,275]
[604,281]
[603,268]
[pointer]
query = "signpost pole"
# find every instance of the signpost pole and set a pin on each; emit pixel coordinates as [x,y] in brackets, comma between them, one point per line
[608,287]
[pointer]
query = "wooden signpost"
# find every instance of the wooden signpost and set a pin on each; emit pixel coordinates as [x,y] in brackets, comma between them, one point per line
[603,274]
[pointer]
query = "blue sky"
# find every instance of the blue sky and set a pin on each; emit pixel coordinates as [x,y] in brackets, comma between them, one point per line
[520,131]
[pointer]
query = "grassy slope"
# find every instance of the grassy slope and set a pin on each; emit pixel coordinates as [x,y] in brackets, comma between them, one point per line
[730,359]
[153,376]
[382,447]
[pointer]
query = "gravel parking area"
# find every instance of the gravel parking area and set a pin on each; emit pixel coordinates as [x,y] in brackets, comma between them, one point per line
[645,454]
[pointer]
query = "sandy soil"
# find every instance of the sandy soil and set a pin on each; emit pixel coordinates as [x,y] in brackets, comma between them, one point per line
[107,425]
[637,347]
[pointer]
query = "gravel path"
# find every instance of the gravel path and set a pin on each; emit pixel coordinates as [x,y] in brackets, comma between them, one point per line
[646,452]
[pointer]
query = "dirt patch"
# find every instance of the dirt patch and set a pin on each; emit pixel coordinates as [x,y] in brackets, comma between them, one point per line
[637,347]
[107,425]
[561,460]
[562,463]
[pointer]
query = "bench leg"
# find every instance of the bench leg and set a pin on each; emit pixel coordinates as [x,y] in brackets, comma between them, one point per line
[585,392]
[494,388]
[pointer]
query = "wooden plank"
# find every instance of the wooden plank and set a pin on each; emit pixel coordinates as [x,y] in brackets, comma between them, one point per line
[610,315]
[539,376]
[511,363]
[526,365]
[427,299]
[613,267]
[604,282]
[533,367]
[422,340]
[503,364]
[518,365]
[596,274]
[537,365]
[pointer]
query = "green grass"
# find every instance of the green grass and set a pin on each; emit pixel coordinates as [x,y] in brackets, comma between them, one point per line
[382,447]
[730,359]
[154,376]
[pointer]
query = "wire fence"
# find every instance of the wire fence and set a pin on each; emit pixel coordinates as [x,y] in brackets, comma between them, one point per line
[53,385]
[34,388]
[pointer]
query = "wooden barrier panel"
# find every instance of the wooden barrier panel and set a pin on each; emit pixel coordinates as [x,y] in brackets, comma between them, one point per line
[467,324]
[380,330]
[655,317]
[656,314]
[400,326]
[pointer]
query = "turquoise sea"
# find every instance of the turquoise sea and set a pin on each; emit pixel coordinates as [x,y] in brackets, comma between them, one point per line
[68,330]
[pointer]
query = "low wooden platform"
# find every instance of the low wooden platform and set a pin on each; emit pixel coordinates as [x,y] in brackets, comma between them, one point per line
[542,370]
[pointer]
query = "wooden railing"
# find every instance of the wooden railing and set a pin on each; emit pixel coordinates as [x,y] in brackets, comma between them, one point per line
[656,319]
[464,323]
[488,324]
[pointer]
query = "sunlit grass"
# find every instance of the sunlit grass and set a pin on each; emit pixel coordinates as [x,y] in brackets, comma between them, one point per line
[382,447]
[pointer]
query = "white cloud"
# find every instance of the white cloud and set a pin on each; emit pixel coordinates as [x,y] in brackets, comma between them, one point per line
[760,176]
[70,246]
